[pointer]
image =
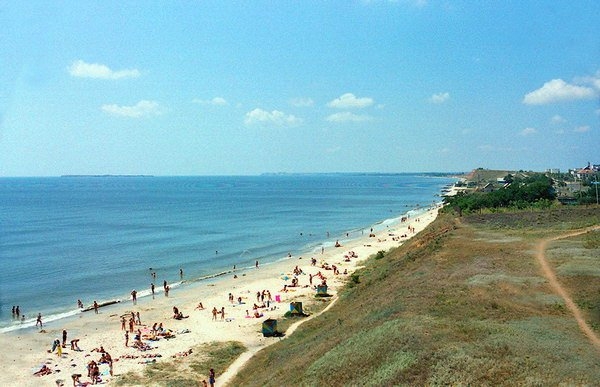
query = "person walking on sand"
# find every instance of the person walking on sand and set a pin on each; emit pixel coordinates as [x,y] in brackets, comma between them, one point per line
[222,312]
[96,307]
[211,377]
[134,296]
[39,320]
[214,313]
[126,338]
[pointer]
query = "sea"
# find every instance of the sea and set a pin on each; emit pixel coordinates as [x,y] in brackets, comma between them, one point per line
[70,238]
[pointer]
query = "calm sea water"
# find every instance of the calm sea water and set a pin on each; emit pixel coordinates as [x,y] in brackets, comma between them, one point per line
[69,238]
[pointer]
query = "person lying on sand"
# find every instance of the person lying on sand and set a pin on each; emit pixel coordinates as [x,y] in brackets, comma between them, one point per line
[43,371]
[180,316]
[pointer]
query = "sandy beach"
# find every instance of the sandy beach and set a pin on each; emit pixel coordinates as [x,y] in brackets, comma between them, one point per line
[27,350]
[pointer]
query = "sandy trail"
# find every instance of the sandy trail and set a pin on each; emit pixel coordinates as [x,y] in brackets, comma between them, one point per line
[239,363]
[558,289]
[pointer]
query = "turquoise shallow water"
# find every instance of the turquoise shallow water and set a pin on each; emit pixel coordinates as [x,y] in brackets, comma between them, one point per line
[69,238]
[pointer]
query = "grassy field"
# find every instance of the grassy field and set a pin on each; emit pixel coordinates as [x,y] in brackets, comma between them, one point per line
[463,303]
[185,371]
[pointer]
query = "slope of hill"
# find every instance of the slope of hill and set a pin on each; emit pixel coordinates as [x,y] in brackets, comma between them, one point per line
[466,302]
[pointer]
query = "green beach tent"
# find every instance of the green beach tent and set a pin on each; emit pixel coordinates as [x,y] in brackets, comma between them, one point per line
[269,327]
[322,290]
[296,309]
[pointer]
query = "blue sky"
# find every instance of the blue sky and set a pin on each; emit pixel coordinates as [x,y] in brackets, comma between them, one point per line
[246,87]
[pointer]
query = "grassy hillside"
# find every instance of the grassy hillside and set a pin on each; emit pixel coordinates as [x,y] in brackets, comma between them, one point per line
[463,303]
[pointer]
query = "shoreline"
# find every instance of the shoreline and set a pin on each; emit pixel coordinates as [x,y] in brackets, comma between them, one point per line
[28,349]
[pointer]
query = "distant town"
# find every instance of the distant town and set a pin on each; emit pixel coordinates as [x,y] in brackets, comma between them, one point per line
[576,186]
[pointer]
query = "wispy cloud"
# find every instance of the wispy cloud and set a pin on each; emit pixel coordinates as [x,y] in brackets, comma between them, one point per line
[81,69]
[558,90]
[528,131]
[557,119]
[275,117]
[302,102]
[217,101]
[141,109]
[348,117]
[582,129]
[350,101]
[439,98]
[485,147]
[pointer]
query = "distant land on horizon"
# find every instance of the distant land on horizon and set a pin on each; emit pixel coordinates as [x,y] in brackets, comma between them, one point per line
[107,175]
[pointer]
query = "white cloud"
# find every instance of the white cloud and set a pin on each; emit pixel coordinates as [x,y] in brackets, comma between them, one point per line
[276,117]
[558,90]
[302,102]
[350,101]
[348,117]
[557,119]
[217,101]
[439,98]
[582,129]
[485,147]
[528,131]
[141,109]
[82,69]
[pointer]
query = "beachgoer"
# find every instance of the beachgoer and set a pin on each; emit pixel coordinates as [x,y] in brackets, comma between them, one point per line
[75,378]
[39,320]
[180,273]
[55,344]
[126,338]
[64,337]
[167,288]
[222,312]
[139,320]
[256,264]
[165,284]
[200,306]
[96,307]
[211,377]
[214,313]
[123,323]
[131,323]
[75,345]
[152,288]
[43,371]
[17,311]
[134,296]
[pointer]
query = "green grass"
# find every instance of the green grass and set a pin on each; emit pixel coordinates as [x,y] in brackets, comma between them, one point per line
[463,303]
[185,371]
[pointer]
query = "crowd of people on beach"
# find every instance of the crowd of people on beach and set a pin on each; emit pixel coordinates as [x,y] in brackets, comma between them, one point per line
[144,335]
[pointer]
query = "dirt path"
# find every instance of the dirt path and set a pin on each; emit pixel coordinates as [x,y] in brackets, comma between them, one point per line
[558,289]
[226,377]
